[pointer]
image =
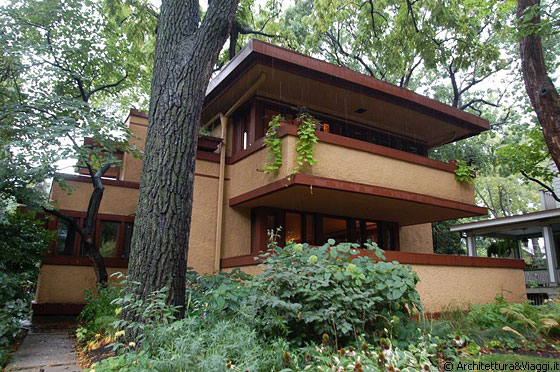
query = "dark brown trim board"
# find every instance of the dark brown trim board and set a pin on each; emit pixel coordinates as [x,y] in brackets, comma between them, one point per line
[333,184]
[107,182]
[57,309]
[403,258]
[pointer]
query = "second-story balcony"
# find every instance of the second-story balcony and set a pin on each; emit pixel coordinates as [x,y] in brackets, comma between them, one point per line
[351,177]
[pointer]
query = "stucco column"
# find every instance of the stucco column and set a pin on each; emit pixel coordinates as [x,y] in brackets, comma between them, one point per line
[471,246]
[550,254]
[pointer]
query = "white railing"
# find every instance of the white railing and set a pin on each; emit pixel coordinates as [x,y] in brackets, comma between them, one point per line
[540,277]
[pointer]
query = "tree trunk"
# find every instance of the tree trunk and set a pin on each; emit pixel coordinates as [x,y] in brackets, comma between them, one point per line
[184,56]
[87,233]
[88,236]
[540,89]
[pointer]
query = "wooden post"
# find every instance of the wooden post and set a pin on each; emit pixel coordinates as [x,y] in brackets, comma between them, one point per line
[471,246]
[550,254]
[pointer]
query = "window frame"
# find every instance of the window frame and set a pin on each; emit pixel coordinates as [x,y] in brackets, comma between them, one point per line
[259,236]
[52,258]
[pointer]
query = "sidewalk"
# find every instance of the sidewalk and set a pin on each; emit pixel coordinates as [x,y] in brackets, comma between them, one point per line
[47,347]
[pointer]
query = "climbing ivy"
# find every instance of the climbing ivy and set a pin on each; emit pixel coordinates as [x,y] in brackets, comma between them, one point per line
[464,172]
[306,141]
[274,145]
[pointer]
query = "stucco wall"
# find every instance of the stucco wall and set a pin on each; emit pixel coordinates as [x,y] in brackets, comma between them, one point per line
[416,238]
[372,169]
[116,200]
[66,284]
[132,167]
[446,287]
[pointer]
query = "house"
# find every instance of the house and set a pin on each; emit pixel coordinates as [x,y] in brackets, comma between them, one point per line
[373,180]
[542,275]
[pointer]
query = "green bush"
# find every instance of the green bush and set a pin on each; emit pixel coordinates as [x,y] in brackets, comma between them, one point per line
[499,325]
[99,313]
[305,292]
[23,241]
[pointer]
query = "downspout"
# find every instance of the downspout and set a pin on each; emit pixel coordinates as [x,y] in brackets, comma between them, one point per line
[221,180]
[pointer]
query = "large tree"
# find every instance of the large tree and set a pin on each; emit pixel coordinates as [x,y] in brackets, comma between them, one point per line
[540,88]
[186,51]
[61,64]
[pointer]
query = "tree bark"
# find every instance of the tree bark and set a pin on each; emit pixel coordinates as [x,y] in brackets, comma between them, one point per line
[540,89]
[185,53]
[87,233]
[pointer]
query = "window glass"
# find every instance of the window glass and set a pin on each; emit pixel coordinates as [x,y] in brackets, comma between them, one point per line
[371,232]
[109,236]
[127,238]
[309,229]
[293,227]
[334,228]
[66,238]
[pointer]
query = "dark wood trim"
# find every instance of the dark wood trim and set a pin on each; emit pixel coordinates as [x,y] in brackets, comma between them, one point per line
[57,309]
[333,184]
[84,261]
[76,259]
[403,258]
[135,112]
[291,130]
[106,182]
[261,52]
[208,156]
[209,176]
[256,146]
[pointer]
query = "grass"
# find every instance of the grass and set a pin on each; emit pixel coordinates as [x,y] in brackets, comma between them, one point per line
[508,362]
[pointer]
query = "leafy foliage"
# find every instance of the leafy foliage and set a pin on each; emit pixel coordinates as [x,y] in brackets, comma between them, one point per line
[274,145]
[464,172]
[498,325]
[22,243]
[99,313]
[305,292]
[306,141]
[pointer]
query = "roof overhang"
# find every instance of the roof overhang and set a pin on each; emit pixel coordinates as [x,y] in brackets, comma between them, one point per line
[343,198]
[297,79]
[522,226]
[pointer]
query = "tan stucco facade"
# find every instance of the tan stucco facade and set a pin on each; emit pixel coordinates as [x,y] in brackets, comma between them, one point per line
[446,287]
[443,288]
[65,284]
[416,238]
[440,286]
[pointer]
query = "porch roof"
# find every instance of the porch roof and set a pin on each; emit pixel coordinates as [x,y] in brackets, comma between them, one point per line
[527,225]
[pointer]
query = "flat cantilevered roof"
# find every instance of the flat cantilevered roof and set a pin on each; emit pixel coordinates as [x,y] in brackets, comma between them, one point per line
[320,86]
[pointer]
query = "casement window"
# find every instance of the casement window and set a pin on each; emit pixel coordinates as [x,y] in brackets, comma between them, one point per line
[251,123]
[316,229]
[113,237]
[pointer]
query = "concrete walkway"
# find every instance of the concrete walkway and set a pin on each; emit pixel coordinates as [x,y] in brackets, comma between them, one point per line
[47,347]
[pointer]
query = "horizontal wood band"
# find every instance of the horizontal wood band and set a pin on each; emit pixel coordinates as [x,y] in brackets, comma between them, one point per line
[333,184]
[403,258]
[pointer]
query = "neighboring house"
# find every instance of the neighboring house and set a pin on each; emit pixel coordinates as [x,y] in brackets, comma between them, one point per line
[542,274]
[373,180]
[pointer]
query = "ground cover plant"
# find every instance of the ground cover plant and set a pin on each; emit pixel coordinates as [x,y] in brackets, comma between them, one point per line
[312,308]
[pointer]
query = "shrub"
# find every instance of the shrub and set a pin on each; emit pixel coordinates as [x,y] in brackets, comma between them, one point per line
[99,313]
[22,243]
[305,292]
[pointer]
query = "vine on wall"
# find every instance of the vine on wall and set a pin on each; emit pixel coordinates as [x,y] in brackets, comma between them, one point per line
[464,172]
[307,138]
[274,144]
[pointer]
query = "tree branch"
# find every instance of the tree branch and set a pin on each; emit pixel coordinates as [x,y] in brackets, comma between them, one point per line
[539,182]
